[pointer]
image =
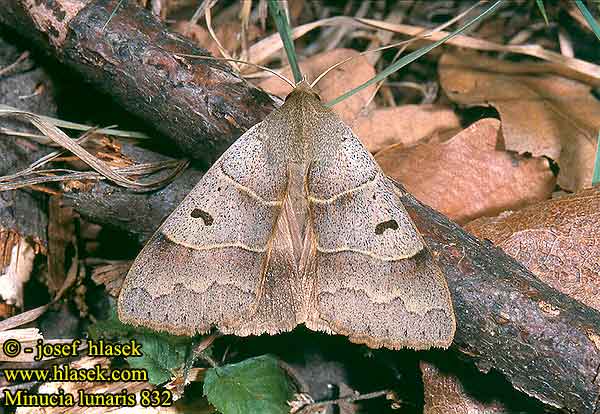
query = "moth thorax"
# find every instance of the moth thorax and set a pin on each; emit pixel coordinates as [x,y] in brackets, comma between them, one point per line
[297,200]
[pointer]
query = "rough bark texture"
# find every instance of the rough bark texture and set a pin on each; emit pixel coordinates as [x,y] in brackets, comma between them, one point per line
[138,214]
[544,342]
[201,105]
[22,213]
[446,393]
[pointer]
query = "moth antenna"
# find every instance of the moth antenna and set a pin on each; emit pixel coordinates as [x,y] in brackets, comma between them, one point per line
[404,42]
[329,69]
[274,72]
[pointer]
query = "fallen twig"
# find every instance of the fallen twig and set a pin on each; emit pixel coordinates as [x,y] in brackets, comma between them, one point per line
[305,406]
[21,58]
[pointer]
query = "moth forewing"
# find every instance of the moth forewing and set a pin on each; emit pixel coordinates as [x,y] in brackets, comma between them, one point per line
[374,277]
[295,223]
[196,273]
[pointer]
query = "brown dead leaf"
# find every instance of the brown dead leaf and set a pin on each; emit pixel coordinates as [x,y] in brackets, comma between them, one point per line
[542,114]
[406,124]
[88,234]
[341,79]
[444,393]
[557,240]
[467,176]
[174,6]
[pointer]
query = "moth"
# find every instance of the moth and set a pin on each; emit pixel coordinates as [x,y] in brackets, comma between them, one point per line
[295,223]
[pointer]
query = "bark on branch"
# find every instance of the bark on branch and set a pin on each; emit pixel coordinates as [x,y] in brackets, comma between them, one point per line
[201,105]
[22,213]
[544,342]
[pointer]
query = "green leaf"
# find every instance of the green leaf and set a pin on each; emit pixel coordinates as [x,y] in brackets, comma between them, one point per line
[163,354]
[110,327]
[411,57]
[283,27]
[161,358]
[540,4]
[596,176]
[589,18]
[256,385]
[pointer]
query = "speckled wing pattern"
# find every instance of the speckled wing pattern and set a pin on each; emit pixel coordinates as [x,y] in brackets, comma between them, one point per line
[295,223]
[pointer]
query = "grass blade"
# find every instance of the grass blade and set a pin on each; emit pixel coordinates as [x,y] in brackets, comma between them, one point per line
[540,4]
[589,18]
[283,27]
[80,127]
[411,57]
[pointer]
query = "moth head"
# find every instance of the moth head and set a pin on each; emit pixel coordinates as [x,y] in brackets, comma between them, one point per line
[303,88]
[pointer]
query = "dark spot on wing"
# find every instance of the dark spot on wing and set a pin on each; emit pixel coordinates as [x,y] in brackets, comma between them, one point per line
[384,225]
[206,217]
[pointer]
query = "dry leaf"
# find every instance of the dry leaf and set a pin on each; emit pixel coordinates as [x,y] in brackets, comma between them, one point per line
[198,34]
[406,124]
[557,240]
[23,318]
[340,80]
[467,176]
[444,393]
[6,310]
[174,6]
[542,114]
